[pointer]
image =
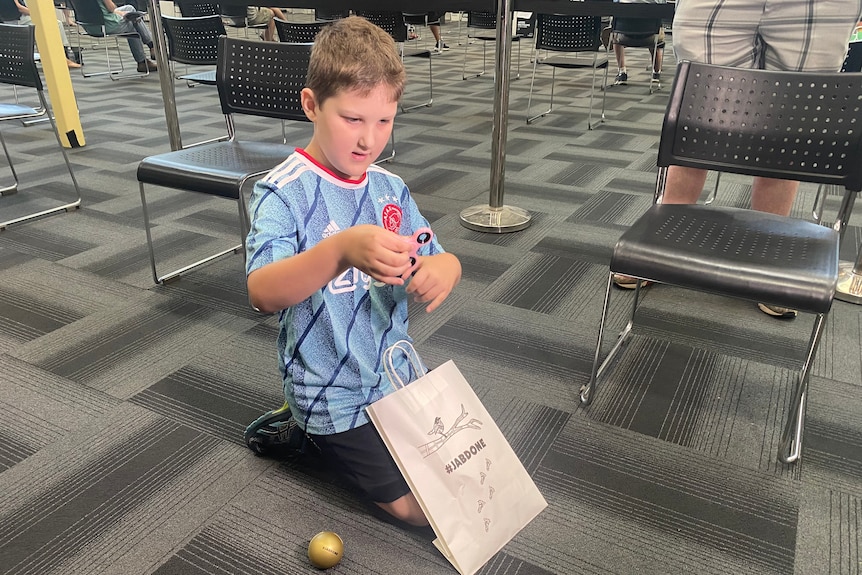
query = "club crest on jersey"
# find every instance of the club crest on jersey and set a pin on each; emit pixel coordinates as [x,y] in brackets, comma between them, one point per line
[392,217]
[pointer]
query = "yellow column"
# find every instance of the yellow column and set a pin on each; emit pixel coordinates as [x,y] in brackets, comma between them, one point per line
[57,77]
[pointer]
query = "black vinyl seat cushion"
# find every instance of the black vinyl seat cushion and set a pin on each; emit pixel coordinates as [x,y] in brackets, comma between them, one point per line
[736,252]
[217,169]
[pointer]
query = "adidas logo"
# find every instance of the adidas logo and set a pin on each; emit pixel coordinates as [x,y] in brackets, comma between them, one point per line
[330,230]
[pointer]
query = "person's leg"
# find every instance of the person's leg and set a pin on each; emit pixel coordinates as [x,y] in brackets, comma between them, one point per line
[683,185]
[773,196]
[362,459]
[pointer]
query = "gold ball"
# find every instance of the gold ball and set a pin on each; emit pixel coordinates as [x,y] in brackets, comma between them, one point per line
[325,550]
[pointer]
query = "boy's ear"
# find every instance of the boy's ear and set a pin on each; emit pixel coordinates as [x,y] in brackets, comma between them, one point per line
[309,103]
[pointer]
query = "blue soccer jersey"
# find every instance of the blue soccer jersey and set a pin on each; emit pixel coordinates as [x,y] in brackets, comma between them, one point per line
[331,345]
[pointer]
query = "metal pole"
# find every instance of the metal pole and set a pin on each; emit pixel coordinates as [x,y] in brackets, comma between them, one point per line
[165,79]
[497,217]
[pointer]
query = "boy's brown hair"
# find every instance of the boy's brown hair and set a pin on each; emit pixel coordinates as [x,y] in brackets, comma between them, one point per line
[354,54]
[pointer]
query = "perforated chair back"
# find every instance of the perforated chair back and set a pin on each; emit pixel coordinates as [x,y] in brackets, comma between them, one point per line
[197,8]
[17,61]
[563,33]
[483,20]
[193,41]
[783,125]
[297,32]
[328,16]
[392,22]
[262,78]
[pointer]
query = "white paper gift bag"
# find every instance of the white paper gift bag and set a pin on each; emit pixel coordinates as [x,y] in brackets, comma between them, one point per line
[472,487]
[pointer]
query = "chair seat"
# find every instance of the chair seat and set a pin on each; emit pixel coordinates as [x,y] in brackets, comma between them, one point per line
[208,78]
[571,63]
[15,111]
[736,252]
[217,169]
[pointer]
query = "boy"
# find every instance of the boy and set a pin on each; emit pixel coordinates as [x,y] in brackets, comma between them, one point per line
[329,250]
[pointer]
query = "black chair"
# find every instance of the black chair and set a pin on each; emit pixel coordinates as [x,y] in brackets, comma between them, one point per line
[197,8]
[482,27]
[787,125]
[18,68]
[394,24]
[254,78]
[640,33]
[236,16]
[297,32]
[571,35]
[194,42]
[329,16]
[88,13]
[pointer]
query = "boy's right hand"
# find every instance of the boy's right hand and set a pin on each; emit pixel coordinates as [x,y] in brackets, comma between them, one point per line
[382,254]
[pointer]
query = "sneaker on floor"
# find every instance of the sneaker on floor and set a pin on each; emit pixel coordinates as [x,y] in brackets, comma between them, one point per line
[441,47]
[656,76]
[147,66]
[628,282]
[621,79]
[777,311]
[275,432]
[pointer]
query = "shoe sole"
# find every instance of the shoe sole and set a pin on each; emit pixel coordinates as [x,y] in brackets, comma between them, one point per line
[787,314]
[631,284]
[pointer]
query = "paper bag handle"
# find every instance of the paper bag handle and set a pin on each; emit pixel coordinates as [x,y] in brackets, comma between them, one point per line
[407,349]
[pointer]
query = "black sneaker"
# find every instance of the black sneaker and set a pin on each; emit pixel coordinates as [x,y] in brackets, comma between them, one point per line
[275,432]
[621,79]
[440,47]
[656,77]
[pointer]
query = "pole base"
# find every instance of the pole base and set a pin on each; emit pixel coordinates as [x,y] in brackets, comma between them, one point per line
[495,220]
[849,284]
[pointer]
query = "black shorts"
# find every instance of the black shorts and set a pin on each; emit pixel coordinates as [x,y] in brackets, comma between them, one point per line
[361,457]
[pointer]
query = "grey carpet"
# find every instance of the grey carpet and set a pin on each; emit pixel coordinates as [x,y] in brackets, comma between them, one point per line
[122,404]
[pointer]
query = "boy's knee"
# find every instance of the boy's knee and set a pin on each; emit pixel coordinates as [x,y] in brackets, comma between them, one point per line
[406,509]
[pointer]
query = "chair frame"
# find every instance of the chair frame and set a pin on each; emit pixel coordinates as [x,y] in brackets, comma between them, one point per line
[817,159]
[193,41]
[478,21]
[248,83]
[88,13]
[556,33]
[18,68]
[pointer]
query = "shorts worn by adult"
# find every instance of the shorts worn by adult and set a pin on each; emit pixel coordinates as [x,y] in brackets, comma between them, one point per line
[794,35]
[257,15]
[362,458]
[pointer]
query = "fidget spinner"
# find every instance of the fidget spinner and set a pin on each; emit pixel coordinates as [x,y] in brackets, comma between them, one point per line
[419,239]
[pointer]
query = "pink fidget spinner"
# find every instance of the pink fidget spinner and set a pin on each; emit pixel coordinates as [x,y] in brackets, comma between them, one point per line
[419,239]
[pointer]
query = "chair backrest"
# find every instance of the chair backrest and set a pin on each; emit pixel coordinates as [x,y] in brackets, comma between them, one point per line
[565,33]
[193,40]
[88,12]
[235,12]
[17,56]
[262,78]
[789,125]
[483,20]
[196,8]
[328,15]
[391,22]
[636,26]
[297,32]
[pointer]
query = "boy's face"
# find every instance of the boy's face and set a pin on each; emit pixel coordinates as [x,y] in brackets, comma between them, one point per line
[350,129]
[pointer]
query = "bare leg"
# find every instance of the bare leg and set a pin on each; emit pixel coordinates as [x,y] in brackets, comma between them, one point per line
[684,185]
[406,509]
[657,56]
[435,31]
[773,196]
[620,53]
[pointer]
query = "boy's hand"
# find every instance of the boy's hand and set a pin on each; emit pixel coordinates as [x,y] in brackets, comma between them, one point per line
[434,279]
[376,251]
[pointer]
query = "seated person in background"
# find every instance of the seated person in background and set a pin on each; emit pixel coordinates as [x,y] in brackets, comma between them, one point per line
[432,19]
[24,19]
[328,250]
[125,19]
[257,16]
[637,32]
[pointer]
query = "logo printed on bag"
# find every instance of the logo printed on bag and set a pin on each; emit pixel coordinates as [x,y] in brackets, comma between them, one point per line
[439,429]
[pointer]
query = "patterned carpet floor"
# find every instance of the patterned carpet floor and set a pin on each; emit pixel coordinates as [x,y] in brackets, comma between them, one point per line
[122,403]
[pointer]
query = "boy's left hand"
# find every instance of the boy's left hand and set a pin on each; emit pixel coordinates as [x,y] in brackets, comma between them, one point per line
[434,279]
